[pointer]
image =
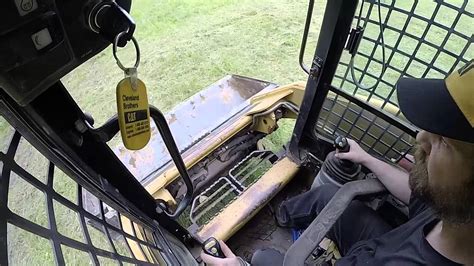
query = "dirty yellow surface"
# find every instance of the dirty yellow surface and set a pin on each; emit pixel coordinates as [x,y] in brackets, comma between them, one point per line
[239,212]
[261,102]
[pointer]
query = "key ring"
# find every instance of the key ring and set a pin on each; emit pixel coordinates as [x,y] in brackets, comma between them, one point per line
[137,50]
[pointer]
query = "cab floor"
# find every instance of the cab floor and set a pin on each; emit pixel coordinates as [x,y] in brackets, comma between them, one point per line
[261,231]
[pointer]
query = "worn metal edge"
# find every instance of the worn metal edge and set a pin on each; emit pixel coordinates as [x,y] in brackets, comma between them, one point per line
[239,212]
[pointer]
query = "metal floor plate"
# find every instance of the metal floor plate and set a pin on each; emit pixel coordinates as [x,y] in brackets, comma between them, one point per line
[261,231]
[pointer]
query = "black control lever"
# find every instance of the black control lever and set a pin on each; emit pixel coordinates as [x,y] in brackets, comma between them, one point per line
[335,170]
[341,144]
[108,19]
[212,247]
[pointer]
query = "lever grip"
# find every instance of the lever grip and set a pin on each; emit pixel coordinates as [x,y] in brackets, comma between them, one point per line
[212,247]
[341,144]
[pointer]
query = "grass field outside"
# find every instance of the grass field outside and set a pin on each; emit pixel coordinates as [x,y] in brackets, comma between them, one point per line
[188,45]
[185,46]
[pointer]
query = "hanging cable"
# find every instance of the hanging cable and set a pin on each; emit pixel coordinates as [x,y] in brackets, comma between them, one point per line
[384,65]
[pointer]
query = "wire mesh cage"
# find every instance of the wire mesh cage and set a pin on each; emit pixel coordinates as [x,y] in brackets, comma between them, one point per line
[421,39]
[47,218]
[341,116]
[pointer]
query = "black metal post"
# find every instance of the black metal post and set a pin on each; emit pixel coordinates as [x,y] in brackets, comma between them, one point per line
[332,38]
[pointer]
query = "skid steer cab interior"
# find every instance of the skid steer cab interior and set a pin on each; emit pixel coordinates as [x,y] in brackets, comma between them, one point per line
[70,193]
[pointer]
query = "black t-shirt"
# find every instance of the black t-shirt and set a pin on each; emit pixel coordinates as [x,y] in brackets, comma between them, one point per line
[404,245]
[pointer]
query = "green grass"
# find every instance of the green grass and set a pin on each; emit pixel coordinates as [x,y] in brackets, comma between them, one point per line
[275,141]
[185,46]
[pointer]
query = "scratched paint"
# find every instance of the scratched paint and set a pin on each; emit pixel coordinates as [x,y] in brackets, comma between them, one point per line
[191,121]
[250,201]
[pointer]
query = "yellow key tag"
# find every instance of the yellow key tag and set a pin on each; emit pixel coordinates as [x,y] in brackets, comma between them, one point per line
[133,113]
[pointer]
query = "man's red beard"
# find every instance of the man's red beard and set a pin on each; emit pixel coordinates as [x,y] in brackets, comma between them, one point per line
[453,203]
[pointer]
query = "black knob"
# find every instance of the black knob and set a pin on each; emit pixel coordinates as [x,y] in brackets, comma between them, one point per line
[161,206]
[89,118]
[341,144]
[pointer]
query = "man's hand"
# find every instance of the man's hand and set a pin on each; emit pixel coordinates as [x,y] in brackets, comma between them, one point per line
[356,154]
[230,260]
[393,178]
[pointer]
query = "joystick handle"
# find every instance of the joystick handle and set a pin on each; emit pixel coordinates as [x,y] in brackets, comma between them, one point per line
[211,247]
[341,144]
